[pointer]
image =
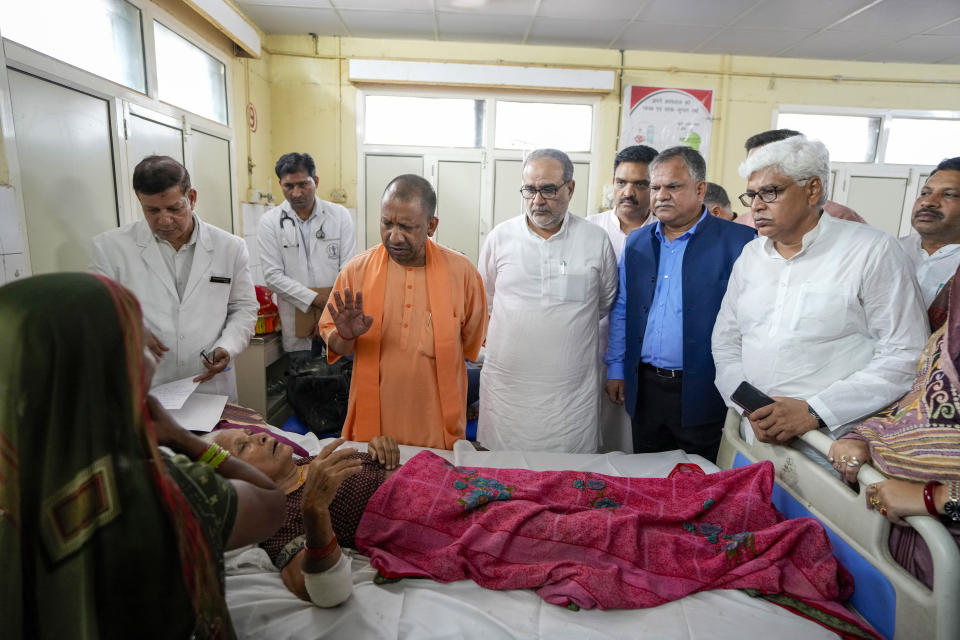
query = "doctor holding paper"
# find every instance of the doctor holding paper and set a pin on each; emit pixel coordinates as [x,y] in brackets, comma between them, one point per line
[191,278]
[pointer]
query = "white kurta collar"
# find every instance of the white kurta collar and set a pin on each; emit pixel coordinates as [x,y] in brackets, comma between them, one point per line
[809,238]
[561,233]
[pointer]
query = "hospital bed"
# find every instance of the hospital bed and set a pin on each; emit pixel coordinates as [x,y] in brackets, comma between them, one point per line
[893,601]
[262,607]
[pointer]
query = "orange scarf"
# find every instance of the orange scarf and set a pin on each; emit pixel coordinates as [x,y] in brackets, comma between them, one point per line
[364,413]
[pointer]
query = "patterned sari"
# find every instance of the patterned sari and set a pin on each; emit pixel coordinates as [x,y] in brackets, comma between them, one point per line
[96,539]
[918,437]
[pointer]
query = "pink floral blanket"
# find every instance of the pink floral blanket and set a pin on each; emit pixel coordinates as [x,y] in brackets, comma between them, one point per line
[595,540]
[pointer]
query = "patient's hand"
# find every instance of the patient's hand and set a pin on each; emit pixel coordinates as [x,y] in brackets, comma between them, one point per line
[847,455]
[782,421]
[385,450]
[327,471]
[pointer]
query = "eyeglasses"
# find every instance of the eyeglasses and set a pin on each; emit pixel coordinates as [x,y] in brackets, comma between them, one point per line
[548,191]
[766,194]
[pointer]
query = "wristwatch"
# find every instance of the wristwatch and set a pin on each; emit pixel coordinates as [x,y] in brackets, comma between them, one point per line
[820,422]
[952,506]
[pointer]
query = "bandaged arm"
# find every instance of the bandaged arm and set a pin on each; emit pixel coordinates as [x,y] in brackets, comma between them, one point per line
[331,587]
[326,582]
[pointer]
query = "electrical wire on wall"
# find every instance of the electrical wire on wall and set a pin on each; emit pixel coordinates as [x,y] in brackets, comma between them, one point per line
[616,144]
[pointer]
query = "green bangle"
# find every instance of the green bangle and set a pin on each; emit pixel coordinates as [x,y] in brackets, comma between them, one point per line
[211,451]
[219,458]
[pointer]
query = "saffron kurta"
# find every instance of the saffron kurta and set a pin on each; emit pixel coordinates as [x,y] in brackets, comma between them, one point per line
[410,390]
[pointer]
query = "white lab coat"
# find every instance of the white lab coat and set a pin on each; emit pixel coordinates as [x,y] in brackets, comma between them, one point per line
[212,314]
[284,260]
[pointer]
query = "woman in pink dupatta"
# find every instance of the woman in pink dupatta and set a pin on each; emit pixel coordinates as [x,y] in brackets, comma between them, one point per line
[916,443]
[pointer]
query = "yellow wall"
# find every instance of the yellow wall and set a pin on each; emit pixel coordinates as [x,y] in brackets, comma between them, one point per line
[251,85]
[314,104]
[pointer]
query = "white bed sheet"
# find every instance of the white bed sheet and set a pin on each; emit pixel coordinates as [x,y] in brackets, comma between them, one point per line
[262,608]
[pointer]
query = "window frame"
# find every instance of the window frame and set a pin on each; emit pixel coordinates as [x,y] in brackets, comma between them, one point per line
[886,117]
[122,100]
[154,89]
[487,153]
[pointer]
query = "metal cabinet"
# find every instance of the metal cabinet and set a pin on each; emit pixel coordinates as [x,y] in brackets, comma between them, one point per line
[260,374]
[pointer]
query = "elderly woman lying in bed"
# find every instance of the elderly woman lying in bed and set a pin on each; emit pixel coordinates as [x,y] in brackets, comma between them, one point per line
[577,538]
[322,510]
[916,443]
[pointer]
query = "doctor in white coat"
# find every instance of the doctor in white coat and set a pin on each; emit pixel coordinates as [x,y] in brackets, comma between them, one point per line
[191,278]
[303,244]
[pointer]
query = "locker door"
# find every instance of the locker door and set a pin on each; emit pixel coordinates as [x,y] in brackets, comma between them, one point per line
[211,177]
[458,206]
[64,145]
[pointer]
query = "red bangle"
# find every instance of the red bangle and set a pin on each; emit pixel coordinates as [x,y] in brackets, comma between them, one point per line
[320,554]
[928,498]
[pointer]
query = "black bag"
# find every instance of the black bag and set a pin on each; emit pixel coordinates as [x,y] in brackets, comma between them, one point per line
[318,392]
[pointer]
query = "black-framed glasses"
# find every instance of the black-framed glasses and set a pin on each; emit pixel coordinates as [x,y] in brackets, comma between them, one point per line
[766,194]
[547,191]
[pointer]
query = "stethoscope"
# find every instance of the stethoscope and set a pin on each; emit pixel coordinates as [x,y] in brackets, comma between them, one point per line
[295,241]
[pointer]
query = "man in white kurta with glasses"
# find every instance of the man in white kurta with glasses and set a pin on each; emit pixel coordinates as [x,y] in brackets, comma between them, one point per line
[549,276]
[823,315]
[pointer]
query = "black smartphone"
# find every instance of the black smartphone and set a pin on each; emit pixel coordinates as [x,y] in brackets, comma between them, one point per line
[749,398]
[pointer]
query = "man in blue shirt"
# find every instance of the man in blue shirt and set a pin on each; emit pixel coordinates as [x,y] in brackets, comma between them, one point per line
[673,275]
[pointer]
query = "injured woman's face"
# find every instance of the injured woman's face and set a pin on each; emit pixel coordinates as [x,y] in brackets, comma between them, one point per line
[266,453]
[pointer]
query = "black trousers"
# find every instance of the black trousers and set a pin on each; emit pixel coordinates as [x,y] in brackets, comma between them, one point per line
[656,421]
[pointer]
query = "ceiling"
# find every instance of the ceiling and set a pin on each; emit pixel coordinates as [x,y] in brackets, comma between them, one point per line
[917,31]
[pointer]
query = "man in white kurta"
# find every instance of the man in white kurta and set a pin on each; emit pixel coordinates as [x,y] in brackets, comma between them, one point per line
[935,247]
[549,277]
[192,279]
[304,242]
[823,315]
[631,210]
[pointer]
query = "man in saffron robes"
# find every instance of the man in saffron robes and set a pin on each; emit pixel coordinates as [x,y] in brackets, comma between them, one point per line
[410,311]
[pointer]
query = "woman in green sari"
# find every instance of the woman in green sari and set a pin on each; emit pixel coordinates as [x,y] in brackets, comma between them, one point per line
[102,536]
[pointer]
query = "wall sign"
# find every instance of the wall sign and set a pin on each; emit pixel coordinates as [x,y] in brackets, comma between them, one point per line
[252,117]
[662,117]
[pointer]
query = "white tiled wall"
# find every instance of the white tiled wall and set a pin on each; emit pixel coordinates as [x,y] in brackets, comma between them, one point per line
[13,264]
[251,224]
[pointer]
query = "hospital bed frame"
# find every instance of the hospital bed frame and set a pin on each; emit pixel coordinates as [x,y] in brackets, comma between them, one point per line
[894,602]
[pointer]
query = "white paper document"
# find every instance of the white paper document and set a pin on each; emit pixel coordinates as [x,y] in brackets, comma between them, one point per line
[201,412]
[172,395]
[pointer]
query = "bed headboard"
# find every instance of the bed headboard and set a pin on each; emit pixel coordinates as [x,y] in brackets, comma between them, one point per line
[892,600]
